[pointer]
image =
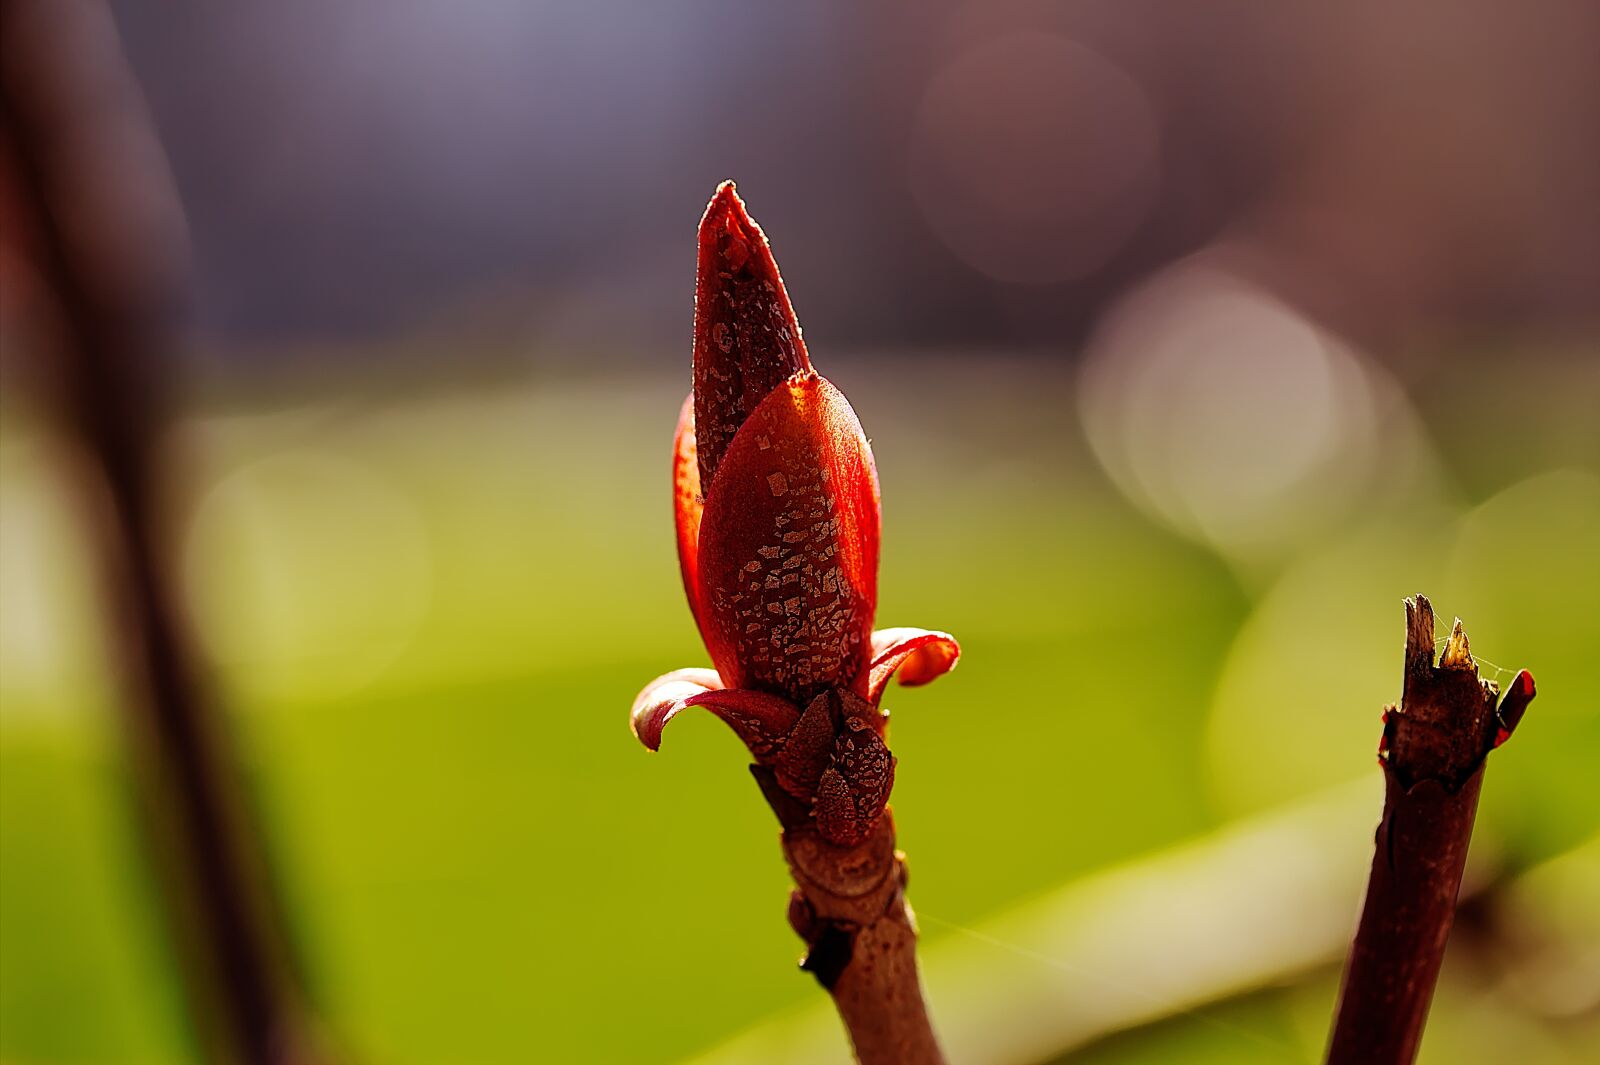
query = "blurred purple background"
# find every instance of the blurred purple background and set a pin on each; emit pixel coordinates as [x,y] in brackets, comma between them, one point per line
[933,173]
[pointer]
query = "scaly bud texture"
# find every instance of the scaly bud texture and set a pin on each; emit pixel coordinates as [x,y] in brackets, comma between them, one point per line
[776,502]
[746,339]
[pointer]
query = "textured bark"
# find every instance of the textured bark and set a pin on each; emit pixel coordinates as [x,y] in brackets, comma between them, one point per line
[1433,754]
[1411,898]
[849,905]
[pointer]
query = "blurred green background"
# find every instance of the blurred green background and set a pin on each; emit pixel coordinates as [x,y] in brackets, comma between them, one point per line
[431,609]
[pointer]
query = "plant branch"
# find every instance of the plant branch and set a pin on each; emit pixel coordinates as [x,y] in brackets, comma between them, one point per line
[1433,754]
[849,906]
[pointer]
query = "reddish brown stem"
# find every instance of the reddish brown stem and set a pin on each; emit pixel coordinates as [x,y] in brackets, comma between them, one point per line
[1433,754]
[849,905]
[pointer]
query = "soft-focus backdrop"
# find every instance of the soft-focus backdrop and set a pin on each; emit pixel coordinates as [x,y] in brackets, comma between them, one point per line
[1190,339]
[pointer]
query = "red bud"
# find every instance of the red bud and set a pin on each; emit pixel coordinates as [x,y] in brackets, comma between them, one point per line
[746,339]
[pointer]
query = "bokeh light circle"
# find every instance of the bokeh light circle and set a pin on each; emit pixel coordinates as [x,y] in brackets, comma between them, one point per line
[1034,158]
[1228,415]
[309,574]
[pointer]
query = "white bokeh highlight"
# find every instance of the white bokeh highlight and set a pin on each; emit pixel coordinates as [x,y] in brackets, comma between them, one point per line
[1226,414]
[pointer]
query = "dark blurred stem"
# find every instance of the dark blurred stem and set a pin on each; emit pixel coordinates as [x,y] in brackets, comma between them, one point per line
[1434,749]
[87,170]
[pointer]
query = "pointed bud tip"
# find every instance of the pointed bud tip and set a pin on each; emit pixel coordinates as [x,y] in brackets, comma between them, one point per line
[746,339]
[726,212]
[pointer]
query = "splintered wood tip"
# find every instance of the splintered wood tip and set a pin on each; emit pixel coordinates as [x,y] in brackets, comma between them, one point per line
[1457,655]
[1447,720]
[1419,634]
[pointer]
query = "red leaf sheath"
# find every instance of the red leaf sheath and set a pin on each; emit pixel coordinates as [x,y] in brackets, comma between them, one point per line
[788,559]
[746,339]
[687,506]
